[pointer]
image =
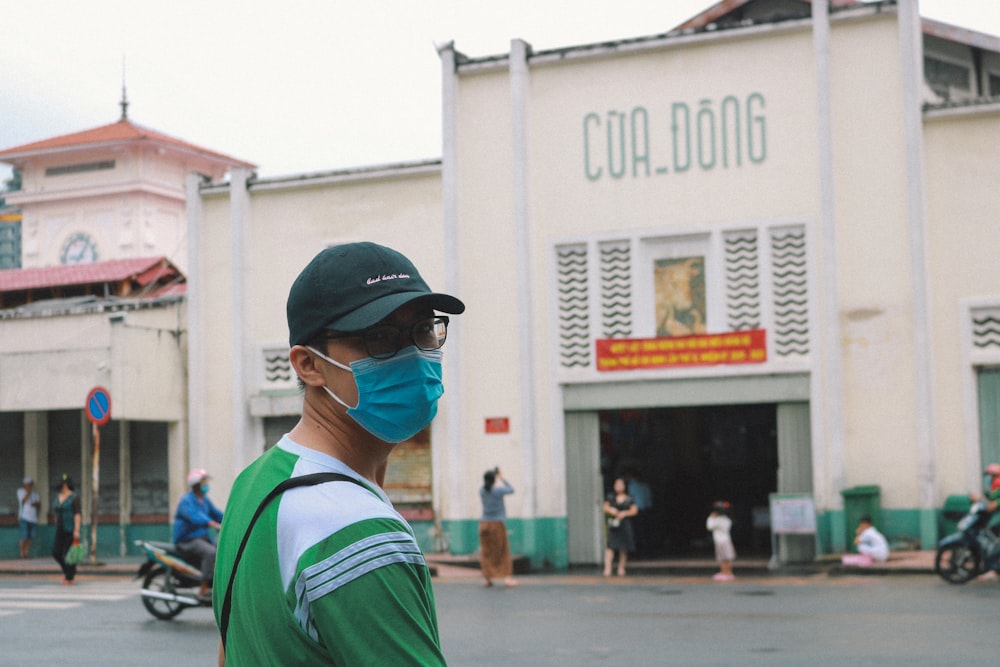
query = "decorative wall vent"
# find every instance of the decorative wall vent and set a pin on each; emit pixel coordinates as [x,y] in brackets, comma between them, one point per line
[278,373]
[791,294]
[616,289]
[742,281]
[986,328]
[574,309]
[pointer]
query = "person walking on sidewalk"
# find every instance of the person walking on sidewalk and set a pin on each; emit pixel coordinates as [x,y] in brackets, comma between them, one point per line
[66,508]
[28,503]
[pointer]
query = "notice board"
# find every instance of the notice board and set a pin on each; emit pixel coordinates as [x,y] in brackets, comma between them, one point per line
[793,514]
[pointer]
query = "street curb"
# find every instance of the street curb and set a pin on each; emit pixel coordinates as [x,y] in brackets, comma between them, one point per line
[447,566]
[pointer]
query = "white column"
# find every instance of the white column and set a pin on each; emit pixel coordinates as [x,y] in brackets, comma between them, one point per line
[239,211]
[827,399]
[911,52]
[124,486]
[196,338]
[519,85]
[448,454]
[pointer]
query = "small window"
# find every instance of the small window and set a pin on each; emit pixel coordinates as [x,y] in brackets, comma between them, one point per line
[994,85]
[10,245]
[78,168]
[943,77]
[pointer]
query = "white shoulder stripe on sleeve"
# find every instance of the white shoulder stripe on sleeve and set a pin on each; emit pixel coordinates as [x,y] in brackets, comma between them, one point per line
[348,564]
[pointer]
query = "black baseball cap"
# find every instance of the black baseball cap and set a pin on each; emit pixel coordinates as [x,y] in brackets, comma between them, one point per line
[353,286]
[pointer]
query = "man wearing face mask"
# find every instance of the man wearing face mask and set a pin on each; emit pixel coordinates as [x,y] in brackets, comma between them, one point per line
[329,572]
[194,517]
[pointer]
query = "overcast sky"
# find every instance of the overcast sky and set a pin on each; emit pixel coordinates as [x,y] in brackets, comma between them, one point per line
[300,85]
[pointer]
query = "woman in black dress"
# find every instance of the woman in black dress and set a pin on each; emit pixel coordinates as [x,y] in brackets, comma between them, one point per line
[66,508]
[619,508]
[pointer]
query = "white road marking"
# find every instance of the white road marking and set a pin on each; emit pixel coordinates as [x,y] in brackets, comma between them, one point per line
[59,597]
[32,604]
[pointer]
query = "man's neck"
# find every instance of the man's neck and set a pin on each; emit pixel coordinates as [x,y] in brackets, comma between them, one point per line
[339,436]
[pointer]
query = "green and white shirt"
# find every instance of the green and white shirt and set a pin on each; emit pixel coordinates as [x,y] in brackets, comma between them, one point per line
[332,574]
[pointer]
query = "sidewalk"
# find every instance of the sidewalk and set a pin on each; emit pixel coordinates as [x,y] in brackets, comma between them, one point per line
[450,566]
[115,567]
[901,562]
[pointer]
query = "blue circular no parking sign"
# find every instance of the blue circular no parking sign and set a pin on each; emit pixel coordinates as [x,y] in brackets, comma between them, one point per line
[98,406]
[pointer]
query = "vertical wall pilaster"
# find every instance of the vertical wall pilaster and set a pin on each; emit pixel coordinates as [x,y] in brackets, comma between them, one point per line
[520,82]
[449,454]
[827,394]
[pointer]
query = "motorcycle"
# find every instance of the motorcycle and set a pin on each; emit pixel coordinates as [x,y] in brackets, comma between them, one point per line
[970,551]
[166,581]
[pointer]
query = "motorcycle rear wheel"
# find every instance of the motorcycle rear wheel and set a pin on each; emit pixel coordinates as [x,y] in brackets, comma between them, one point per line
[160,581]
[956,564]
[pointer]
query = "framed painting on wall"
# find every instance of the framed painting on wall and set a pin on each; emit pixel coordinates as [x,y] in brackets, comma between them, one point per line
[679,292]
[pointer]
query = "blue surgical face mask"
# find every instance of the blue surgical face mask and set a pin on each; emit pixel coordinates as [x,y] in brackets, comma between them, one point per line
[204,488]
[397,397]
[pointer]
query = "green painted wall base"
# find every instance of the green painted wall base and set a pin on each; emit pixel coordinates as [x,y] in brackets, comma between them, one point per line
[904,528]
[424,532]
[543,540]
[110,539]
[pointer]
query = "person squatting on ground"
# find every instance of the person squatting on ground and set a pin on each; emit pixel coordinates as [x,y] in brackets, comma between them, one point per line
[870,542]
[331,573]
[194,518]
[28,503]
[66,508]
[494,548]
[619,509]
[720,525]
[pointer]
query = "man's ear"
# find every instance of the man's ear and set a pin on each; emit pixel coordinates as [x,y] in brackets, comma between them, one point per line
[305,365]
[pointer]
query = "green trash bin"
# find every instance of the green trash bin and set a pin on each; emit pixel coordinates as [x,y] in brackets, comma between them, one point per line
[860,501]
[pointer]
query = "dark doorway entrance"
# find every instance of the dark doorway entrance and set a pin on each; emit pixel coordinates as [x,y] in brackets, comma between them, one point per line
[690,457]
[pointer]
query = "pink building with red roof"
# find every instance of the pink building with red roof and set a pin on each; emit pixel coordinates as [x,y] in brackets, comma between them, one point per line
[93,285]
[110,192]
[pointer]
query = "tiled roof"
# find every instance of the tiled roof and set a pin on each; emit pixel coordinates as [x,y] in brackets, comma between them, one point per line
[721,8]
[121,131]
[142,271]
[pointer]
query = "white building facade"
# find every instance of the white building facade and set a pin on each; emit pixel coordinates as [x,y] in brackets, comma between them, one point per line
[751,256]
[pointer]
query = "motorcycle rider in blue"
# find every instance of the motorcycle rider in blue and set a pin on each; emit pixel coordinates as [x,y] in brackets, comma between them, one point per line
[194,517]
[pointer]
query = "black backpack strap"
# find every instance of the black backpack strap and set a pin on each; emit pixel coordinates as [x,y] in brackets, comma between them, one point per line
[290,483]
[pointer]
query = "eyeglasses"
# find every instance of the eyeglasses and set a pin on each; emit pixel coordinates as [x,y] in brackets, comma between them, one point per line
[382,340]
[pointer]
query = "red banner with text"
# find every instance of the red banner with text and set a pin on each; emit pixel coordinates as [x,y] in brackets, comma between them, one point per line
[736,347]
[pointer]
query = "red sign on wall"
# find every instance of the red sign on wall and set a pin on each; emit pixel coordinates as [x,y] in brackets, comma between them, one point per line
[498,425]
[736,347]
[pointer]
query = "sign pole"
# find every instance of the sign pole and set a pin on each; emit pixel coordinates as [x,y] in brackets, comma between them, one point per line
[94,494]
[98,410]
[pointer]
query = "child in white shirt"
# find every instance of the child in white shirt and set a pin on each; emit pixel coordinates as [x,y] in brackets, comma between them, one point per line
[870,542]
[720,524]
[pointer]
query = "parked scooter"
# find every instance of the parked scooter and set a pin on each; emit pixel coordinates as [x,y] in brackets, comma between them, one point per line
[169,583]
[970,551]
